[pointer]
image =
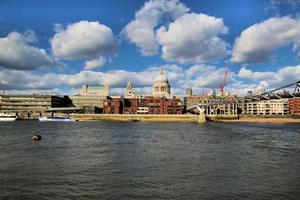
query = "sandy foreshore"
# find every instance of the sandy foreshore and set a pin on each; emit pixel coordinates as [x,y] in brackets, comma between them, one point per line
[135,117]
[175,118]
[263,120]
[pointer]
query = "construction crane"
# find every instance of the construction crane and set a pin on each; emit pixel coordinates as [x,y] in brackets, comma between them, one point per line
[222,85]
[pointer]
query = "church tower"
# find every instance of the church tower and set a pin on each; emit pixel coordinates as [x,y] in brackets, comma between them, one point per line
[129,90]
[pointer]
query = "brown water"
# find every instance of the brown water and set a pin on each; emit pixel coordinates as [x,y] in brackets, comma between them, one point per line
[109,160]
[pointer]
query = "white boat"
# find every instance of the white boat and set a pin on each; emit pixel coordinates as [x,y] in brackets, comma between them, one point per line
[6,117]
[56,119]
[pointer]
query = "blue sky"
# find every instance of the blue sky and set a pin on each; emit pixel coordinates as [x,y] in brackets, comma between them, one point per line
[56,46]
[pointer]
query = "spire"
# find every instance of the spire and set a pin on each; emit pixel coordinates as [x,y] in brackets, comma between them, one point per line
[129,86]
[129,91]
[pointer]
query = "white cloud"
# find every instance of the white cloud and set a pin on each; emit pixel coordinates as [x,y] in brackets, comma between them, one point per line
[17,53]
[250,75]
[202,78]
[83,40]
[199,77]
[190,38]
[141,31]
[205,76]
[257,43]
[95,63]
[272,79]
[193,38]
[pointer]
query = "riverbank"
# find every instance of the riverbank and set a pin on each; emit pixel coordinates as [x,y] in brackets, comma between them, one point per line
[262,120]
[177,118]
[136,117]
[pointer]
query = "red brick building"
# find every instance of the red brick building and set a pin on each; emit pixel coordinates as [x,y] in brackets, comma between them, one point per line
[142,105]
[130,105]
[113,105]
[294,105]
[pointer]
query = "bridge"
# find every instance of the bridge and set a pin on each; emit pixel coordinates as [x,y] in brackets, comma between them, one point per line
[287,91]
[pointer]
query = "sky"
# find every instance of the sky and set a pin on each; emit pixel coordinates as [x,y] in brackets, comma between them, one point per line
[57,46]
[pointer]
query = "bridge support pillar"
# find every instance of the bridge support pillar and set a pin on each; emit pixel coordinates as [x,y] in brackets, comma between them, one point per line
[201,118]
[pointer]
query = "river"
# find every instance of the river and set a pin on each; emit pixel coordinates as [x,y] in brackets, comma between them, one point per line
[113,160]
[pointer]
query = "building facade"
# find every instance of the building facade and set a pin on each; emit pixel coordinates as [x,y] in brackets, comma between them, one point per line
[91,98]
[294,106]
[29,106]
[230,108]
[142,105]
[189,92]
[268,107]
[113,105]
[94,90]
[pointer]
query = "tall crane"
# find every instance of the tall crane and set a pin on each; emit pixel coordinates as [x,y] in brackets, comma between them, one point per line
[222,85]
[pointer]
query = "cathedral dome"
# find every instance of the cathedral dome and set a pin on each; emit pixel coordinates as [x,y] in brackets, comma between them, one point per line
[161,77]
[161,85]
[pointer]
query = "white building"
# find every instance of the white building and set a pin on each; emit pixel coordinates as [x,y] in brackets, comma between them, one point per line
[98,90]
[91,98]
[268,107]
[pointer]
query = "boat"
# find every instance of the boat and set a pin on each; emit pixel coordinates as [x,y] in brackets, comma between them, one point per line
[56,119]
[6,117]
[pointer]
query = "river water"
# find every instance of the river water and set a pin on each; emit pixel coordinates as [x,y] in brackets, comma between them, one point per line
[110,160]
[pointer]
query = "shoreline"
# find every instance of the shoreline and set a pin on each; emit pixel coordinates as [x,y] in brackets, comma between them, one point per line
[177,118]
[135,118]
[261,120]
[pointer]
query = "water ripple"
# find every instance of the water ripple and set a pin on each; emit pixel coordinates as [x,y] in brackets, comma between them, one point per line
[109,160]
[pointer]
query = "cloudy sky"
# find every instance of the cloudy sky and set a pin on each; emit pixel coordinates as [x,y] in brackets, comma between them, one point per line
[57,46]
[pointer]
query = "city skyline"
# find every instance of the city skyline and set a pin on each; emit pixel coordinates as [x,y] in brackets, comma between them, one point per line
[56,47]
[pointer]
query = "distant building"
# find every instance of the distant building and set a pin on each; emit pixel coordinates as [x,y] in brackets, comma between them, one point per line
[268,107]
[113,105]
[258,92]
[142,105]
[161,86]
[93,90]
[129,89]
[242,105]
[91,98]
[212,93]
[294,105]
[34,105]
[160,102]
[220,109]
[249,94]
[189,92]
